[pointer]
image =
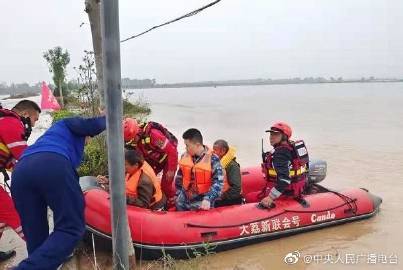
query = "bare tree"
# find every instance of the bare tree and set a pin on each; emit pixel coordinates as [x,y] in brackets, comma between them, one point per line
[93,9]
[87,91]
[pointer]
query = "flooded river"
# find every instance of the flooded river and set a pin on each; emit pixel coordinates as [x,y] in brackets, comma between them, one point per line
[355,127]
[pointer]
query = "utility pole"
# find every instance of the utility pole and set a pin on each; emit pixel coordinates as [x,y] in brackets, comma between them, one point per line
[114,109]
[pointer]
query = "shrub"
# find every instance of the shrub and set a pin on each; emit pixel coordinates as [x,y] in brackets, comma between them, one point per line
[59,115]
[95,160]
[138,109]
[72,102]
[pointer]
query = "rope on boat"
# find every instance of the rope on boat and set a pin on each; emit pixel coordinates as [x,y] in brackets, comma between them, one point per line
[351,202]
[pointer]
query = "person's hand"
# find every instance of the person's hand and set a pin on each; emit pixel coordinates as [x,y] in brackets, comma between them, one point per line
[130,199]
[172,200]
[266,201]
[102,111]
[205,205]
[102,179]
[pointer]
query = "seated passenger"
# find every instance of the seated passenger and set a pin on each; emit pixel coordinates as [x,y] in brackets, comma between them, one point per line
[286,165]
[143,188]
[200,178]
[233,173]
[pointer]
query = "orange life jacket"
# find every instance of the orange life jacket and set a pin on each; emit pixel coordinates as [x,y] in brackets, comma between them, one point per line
[132,182]
[197,177]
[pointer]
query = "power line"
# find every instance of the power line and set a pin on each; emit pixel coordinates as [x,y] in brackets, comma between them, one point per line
[190,14]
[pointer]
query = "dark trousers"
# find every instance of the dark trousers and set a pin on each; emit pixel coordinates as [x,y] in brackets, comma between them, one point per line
[228,202]
[40,181]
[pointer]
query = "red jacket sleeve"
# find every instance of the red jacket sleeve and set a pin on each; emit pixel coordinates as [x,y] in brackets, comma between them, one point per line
[159,140]
[12,136]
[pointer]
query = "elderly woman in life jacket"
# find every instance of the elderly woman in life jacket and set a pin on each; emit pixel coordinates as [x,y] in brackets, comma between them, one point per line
[143,188]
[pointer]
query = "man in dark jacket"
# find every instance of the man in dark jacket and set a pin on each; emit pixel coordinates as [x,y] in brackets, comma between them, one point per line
[46,176]
[233,174]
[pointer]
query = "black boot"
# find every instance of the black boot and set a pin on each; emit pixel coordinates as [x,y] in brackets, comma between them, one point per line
[5,255]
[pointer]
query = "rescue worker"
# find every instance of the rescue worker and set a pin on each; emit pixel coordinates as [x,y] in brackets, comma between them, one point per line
[46,176]
[285,165]
[143,188]
[15,128]
[232,173]
[200,178]
[159,148]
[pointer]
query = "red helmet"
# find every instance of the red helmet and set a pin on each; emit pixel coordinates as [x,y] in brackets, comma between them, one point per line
[130,129]
[281,127]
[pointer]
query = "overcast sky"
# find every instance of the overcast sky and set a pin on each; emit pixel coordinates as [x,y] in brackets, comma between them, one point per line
[236,39]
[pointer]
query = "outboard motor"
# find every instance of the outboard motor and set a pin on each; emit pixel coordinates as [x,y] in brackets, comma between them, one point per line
[317,171]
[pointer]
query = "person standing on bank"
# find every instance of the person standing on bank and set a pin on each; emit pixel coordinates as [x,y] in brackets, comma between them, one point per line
[15,128]
[46,176]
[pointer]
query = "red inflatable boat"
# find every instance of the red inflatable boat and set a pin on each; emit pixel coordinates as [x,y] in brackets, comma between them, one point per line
[180,234]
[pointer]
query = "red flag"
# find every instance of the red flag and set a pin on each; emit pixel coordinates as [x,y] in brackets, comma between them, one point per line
[48,101]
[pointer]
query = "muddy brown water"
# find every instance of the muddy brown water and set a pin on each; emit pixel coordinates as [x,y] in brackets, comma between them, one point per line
[355,127]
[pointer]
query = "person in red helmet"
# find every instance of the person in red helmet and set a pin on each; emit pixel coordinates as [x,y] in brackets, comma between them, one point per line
[286,165]
[159,148]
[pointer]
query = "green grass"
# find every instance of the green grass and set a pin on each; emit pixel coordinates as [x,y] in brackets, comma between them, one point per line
[61,114]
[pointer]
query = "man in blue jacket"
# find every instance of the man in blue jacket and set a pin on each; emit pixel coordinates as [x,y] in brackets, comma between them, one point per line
[46,176]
